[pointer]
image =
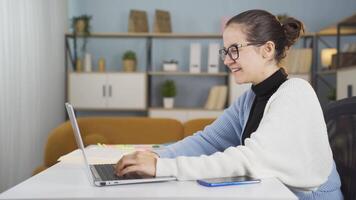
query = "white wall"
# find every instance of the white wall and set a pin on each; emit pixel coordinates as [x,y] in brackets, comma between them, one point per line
[31,82]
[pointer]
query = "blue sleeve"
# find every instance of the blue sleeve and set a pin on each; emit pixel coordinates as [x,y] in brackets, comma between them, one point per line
[224,132]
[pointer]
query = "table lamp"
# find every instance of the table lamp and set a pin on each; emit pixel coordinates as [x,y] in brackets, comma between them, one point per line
[326,56]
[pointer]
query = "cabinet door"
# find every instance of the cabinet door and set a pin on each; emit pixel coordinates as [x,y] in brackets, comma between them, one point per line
[345,82]
[87,90]
[127,91]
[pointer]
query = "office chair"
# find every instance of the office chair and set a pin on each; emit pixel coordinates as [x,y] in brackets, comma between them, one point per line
[340,117]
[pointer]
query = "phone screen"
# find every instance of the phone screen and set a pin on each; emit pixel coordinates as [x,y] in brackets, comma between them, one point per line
[238,180]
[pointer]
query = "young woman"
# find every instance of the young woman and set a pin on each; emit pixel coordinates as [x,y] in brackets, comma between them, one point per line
[275,129]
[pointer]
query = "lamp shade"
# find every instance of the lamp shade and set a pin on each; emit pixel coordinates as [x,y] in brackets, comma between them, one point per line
[326,55]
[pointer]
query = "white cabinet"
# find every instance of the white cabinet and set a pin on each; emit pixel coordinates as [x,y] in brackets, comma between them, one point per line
[346,82]
[87,90]
[127,90]
[108,90]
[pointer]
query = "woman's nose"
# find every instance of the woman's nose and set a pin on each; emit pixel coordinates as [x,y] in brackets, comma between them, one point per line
[228,61]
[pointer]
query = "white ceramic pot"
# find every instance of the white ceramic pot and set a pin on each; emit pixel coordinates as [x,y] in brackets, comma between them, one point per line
[168,102]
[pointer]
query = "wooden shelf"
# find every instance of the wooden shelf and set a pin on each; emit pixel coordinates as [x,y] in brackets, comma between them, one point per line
[113,109]
[182,109]
[327,72]
[116,35]
[345,68]
[332,31]
[187,74]
[156,73]
[152,35]
[106,72]
[160,35]
[333,71]
[308,34]
[187,35]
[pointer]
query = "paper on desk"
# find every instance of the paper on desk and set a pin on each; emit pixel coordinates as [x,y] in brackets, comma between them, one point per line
[95,155]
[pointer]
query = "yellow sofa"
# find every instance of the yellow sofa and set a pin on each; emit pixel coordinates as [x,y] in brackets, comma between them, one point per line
[116,130]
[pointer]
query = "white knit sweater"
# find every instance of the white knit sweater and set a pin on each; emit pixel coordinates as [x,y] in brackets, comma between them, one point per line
[290,143]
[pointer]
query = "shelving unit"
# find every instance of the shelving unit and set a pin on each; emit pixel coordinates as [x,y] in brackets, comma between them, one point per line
[346,27]
[152,73]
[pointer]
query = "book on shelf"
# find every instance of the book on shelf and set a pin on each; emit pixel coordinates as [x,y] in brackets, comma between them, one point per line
[217,98]
[213,58]
[138,21]
[195,58]
[298,61]
[162,22]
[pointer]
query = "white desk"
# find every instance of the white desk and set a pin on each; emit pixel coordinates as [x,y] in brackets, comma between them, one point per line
[69,181]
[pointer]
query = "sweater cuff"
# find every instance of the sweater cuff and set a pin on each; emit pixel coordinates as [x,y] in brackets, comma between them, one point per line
[162,153]
[166,167]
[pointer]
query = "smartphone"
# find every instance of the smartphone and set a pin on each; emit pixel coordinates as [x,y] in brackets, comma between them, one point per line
[238,180]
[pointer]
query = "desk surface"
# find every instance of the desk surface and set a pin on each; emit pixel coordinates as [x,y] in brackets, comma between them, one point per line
[69,181]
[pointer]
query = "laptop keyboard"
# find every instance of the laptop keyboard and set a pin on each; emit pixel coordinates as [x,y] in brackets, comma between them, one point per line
[107,172]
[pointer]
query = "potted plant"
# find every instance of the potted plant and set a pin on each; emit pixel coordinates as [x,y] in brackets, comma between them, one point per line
[81,26]
[129,61]
[168,92]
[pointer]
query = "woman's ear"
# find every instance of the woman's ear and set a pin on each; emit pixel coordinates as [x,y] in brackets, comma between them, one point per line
[268,50]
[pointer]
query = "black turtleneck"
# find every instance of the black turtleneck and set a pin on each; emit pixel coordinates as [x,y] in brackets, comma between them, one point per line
[263,92]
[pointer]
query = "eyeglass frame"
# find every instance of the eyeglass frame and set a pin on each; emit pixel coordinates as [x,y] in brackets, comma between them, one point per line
[223,52]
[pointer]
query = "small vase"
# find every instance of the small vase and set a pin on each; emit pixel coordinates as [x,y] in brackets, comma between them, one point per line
[101,65]
[80,26]
[78,65]
[87,62]
[168,102]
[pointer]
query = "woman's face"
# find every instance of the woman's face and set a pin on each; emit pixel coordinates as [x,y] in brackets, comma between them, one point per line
[249,67]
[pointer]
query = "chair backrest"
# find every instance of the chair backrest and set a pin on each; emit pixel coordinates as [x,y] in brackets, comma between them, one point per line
[192,126]
[112,130]
[340,117]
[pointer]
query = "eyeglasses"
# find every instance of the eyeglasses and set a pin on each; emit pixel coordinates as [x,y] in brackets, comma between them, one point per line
[233,50]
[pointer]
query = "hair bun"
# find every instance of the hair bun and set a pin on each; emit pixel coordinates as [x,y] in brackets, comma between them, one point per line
[293,29]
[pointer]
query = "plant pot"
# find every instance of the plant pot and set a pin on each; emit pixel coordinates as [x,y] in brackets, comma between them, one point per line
[129,65]
[168,102]
[80,26]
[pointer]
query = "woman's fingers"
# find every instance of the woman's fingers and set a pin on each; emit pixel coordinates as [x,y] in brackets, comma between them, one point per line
[140,162]
[130,169]
[125,161]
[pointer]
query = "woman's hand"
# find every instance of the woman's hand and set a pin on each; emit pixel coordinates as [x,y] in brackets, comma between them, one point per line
[142,163]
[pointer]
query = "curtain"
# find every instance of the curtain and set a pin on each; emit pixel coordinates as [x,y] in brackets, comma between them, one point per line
[32,83]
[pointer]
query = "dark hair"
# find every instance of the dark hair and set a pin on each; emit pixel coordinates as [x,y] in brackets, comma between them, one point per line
[261,26]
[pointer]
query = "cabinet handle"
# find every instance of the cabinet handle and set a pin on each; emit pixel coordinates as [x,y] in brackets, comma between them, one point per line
[110,91]
[349,91]
[104,93]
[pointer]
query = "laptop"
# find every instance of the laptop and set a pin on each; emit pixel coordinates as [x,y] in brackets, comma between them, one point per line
[104,174]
